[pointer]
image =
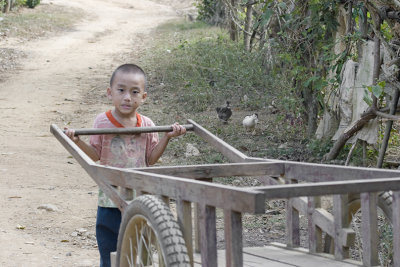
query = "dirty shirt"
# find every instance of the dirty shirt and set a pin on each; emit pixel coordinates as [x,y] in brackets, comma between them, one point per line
[122,151]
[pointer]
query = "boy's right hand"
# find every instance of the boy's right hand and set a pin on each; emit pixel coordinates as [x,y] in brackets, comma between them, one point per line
[71,134]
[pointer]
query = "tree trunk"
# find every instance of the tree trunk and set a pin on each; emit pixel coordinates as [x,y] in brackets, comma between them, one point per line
[389,124]
[368,115]
[310,103]
[247,27]
[233,29]
[7,7]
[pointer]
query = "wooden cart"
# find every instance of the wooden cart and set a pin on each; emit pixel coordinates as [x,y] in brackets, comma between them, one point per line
[151,235]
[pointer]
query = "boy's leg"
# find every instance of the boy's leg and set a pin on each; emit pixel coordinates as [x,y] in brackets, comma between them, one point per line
[107,227]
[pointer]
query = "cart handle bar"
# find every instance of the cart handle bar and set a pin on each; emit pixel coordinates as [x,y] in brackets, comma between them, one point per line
[135,130]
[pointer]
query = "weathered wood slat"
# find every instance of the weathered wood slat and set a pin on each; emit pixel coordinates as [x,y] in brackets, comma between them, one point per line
[396,227]
[329,188]
[292,225]
[184,211]
[369,228]
[219,170]
[227,150]
[134,130]
[221,196]
[340,214]
[208,238]
[233,238]
[312,172]
[89,167]
[314,231]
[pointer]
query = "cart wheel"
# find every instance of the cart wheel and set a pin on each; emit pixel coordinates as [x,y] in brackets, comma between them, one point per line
[150,236]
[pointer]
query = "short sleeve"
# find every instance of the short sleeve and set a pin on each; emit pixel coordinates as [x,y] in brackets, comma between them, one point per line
[96,140]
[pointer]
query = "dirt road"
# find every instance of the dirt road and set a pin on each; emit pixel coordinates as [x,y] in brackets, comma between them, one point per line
[48,202]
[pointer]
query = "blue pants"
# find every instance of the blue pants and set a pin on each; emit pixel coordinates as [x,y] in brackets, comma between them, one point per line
[107,227]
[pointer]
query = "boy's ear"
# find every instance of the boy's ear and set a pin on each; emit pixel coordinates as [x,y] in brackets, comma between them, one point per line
[109,93]
[144,96]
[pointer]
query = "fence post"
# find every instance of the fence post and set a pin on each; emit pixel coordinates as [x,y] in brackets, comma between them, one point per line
[369,228]
[208,238]
[292,223]
[184,211]
[396,227]
[233,238]
[341,220]
[314,232]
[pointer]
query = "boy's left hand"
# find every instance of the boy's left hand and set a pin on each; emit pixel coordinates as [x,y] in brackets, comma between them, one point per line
[177,130]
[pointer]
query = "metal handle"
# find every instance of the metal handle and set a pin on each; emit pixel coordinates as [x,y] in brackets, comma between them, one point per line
[136,130]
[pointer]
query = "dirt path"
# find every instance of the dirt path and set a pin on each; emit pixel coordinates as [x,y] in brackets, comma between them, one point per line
[35,170]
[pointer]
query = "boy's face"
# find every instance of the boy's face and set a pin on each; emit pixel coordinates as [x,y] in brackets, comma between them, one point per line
[127,92]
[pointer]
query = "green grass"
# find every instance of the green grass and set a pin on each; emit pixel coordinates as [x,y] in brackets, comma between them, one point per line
[194,68]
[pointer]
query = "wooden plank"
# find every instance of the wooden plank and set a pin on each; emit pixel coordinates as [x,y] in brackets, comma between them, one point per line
[329,188]
[233,238]
[227,150]
[221,196]
[369,228]
[249,261]
[292,225]
[197,247]
[135,130]
[340,214]
[89,167]
[314,232]
[184,211]
[312,172]
[219,170]
[298,257]
[324,220]
[208,238]
[396,227]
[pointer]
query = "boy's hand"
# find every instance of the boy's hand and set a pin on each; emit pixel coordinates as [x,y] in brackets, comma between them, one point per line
[177,130]
[71,134]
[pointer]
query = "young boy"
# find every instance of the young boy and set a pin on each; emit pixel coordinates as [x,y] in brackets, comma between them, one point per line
[127,92]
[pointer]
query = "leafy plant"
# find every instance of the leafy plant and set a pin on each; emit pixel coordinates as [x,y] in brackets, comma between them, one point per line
[32,3]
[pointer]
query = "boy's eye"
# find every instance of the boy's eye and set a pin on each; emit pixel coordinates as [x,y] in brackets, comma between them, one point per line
[135,92]
[120,90]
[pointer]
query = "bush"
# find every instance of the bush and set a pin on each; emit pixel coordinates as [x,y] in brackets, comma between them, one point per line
[32,3]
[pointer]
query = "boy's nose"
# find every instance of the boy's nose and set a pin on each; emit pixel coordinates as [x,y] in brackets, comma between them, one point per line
[127,97]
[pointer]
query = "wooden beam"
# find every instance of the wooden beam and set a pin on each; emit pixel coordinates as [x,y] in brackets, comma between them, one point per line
[369,229]
[340,214]
[396,227]
[314,231]
[89,167]
[219,170]
[208,238]
[217,195]
[233,238]
[312,172]
[184,211]
[329,188]
[227,150]
[135,130]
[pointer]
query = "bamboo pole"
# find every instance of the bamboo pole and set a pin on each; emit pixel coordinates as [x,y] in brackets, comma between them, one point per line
[135,130]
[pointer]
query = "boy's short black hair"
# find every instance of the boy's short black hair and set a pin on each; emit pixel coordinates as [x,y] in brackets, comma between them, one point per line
[133,68]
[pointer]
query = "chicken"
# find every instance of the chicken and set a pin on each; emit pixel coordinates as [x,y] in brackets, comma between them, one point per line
[250,121]
[224,113]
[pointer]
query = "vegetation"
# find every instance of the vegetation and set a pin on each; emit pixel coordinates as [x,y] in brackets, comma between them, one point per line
[28,24]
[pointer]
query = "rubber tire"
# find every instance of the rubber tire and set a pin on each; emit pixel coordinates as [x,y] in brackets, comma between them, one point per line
[164,226]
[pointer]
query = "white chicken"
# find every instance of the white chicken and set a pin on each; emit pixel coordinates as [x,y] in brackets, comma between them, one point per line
[250,122]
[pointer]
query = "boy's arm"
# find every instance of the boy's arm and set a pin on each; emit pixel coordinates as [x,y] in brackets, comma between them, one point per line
[162,144]
[88,149]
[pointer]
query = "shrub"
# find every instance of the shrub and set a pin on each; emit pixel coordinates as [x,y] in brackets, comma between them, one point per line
[32,3]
